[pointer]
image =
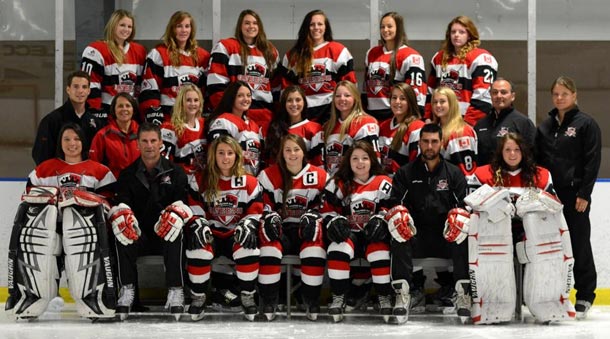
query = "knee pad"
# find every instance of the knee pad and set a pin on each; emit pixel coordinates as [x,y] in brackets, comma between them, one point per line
[32,265]
[87,263]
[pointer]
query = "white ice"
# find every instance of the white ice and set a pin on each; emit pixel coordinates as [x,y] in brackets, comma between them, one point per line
[66,325]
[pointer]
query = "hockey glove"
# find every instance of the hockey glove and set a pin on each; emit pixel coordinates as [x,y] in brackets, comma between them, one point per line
[245,233]
[338,229]
[270,227]
[456,226]
[201,234]
[400,223]
[124,224]
[172,220]
[310,226]
[376,229]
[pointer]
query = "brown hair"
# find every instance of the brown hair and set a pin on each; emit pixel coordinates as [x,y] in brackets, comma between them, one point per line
[473,40]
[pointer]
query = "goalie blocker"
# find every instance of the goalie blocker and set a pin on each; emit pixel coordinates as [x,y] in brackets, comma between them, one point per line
[547,255]
[35,245]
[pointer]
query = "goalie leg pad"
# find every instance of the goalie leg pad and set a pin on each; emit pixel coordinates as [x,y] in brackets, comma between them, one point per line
[548,269]
[32,262]
[491,270]
[87,262]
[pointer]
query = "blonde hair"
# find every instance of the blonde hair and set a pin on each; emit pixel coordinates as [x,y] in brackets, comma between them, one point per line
[109,37]
[169,38]
[212,172]
[473,40]
[179,111]
[455,122]
[355,115]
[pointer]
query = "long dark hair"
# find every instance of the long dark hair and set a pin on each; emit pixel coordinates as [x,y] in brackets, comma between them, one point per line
[59,152]
[286,174]
[346,175]
[280,122]
[226,103]
[260,41]
[301,54]
[500,169]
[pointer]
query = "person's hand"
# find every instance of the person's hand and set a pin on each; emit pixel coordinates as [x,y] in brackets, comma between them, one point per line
[581,204]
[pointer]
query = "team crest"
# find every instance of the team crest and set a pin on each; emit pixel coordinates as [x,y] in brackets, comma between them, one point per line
[187,79]
[442,185]
[255,76]
[571,132]
[165,180]
[69,180]
[127,82]
[226,209]
[451,79]
[361,213]
[295,206]
[316,77]
[502,132]
[378,81]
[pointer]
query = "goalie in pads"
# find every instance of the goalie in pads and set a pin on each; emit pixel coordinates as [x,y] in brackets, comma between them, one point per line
[37,241]
[514,170]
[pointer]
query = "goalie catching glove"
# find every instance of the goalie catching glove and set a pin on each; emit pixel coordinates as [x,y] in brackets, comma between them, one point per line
[376,229]
[400,223]
[338,229]
[172,220]
[270,227]
[124,224]
[201,234]
[456,225]
[310,226]
[245,233]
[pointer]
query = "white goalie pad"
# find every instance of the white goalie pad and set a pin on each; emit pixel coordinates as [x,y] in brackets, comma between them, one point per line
[87,263]
[32,264]
[490,256]
[41,195]
[547,255]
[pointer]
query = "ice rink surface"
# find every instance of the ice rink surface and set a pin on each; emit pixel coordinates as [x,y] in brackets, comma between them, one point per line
[67,325]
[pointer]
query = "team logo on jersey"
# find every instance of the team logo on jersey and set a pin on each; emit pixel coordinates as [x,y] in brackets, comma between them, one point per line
[571,132]
[502,132]
[165,180]
[442,185]
[255,76]
[361,213]
[464,143]
[296,206]
[378,81]
[487,58]
[69,180]
[416,60]
[317,78]
[187,79]
[451,79]
[127,82]
[226,209]
[334,152]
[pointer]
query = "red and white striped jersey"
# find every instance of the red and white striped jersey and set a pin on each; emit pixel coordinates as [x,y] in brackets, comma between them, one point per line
[246,132]
[367,199]
[108,78]
[332,62]
[362,128]
[470,79]
[161,81]
[409,149]
[409,69]
[461,150]
[512,181]
[238,198]
[226,66]
[87,174]
[188,150]
[306,192]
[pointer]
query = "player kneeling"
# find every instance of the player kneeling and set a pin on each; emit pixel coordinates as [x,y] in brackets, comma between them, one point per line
[35,246]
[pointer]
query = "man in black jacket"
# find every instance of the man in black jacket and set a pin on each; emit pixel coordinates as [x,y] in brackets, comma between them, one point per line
[502,119]
[429,187]
[74,110]
[153,190]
